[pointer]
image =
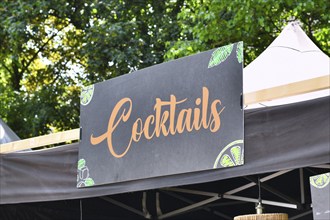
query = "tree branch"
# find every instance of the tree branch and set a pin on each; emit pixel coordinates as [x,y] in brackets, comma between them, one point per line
[2,64]
[41,49]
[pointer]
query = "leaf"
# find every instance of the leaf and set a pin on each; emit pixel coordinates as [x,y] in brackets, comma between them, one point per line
[220,55]
[81,164]
[89,182]
[239,52]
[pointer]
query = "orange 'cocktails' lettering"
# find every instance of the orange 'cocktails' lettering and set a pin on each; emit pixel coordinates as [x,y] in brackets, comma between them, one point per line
[162,122]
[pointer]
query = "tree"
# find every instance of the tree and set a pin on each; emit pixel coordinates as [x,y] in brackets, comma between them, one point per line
[211,23]
[50,48]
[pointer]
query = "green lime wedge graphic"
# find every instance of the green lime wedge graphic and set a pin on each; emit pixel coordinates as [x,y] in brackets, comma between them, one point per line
[231,155]
[86,95]
[83,178]
[81,164]
[236,152]
[89,182]
[239,52]
[226,161]
[320,181]
[220,55]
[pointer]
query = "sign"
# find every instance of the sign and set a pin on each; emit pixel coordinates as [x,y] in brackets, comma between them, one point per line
[320,190]
[172,118]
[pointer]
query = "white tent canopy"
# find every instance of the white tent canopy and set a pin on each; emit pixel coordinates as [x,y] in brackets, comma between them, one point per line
[6,134]
[290,58]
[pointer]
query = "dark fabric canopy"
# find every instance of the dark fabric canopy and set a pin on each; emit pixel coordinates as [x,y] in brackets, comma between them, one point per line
[276,138]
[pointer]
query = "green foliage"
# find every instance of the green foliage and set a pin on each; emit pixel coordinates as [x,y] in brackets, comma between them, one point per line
[213,23]
[50,48]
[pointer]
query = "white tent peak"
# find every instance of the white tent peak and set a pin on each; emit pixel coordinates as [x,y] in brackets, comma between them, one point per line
[290,58]
[295,38]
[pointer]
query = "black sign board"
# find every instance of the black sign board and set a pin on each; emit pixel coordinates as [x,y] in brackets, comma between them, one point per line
[176,117]
[320,190]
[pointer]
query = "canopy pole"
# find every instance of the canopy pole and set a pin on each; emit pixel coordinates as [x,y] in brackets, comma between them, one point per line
[275,192]
[188,208]
[302,185]
[158,209]
[190,191]
[267,202]
[174,195]
[124,206]
[249,185]
[146,213]
[301,215]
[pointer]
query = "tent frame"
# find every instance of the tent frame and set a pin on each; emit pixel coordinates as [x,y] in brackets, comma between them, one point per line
[213,196]
[296,88]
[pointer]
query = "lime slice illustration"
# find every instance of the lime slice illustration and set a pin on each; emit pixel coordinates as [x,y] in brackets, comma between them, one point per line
[231,155]
[83,178]
[220,55]
[320,181]
[81,184]
[86,95]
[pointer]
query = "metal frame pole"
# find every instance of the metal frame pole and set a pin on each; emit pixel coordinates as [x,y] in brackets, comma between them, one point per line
[275,192]
[208,209]
[301,215]
[264,179]
[268,202]
[302,185]
[124,206]
[188,208]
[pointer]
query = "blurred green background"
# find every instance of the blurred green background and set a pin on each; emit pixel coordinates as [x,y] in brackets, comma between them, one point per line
[50,48]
